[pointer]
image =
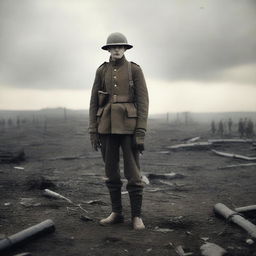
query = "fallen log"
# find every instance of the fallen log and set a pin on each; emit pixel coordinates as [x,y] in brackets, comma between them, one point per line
[219,141]
[193,139]
[236,218]
[46,226]
[237,166]
[231,155]
[196,145]
[246,208]
[166,176]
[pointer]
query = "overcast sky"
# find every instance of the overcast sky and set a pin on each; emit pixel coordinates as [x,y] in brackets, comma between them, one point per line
[197,55]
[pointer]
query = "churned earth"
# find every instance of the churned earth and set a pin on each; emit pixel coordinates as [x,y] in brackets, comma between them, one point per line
[176,212]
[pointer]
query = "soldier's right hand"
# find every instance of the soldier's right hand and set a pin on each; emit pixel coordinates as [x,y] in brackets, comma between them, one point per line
[95,140]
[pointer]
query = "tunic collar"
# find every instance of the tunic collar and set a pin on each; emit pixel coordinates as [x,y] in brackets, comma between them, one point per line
[117,62]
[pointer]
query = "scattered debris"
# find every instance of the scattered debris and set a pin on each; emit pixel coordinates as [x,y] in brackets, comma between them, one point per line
[193,139]
[85,218]
[145,179]
[124,192]
[154,190]
[98,201]
[180,251]
[163,230]
[50,193]
[234,155]
[219,141]
[237,166]
[7,204]
[211,249]
[249,241]
[164,152]
[246,208]
[149,250]
[46,226]
[12,157]
[19,168]
[205,239]
[167,176]
[236,218]
[29,202]
[196,145]
[23,254]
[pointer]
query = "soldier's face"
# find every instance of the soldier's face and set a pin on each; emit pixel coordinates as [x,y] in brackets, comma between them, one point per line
[116,52]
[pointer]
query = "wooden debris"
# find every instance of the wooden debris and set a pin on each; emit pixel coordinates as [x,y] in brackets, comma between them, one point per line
[211,249]
[246,208]
[163,230]
[236,218]
[50,193]
[220,141]
[196,145]
[180,251]
[166,176]
[46,226]
[193,139]
[237,166]
[234,155]
[29,202]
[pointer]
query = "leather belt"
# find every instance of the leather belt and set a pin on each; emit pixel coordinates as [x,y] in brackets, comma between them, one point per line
[120,99]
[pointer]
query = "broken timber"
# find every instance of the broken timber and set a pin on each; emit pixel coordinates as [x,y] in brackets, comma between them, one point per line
[191,144]
[237,165]
[46,226]
[246,208]
[236,218]
[248,158]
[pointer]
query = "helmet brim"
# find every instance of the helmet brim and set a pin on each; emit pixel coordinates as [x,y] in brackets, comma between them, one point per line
[106,47]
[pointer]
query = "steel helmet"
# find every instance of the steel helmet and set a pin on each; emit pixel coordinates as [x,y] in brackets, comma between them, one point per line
[116,39]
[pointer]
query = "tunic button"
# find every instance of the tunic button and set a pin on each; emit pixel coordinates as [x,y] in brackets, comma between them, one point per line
[114,77]
[114,69]
[115,85]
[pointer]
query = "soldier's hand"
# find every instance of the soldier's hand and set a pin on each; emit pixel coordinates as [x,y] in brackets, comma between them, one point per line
[139,138]
[95,140]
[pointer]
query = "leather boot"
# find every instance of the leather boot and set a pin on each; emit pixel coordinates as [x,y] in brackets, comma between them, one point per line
[113,218]
[116,202]
[136,203]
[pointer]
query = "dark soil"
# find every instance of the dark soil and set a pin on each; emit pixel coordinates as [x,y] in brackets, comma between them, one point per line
[184,205]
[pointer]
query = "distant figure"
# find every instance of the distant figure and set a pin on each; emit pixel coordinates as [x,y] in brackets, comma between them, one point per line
[241,127]
[18,122]
[230,123]
[249,130]
[9,122]
[221,128]
[213,127]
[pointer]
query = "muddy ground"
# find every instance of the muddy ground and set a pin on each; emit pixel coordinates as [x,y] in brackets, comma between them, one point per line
[185,206]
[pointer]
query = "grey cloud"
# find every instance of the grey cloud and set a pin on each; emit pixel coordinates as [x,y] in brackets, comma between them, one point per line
[46,44]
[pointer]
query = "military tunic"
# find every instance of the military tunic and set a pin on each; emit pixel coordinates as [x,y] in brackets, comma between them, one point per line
[125,111]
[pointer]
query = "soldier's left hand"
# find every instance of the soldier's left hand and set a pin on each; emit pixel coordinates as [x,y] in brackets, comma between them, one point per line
[95,141]
[139,138]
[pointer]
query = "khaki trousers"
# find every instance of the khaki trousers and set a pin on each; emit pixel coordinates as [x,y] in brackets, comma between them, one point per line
[111,144]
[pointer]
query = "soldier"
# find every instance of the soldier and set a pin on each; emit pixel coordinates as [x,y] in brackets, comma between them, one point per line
[221,128]
[118,118]
[230,123]
[213,127]
[241,127]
